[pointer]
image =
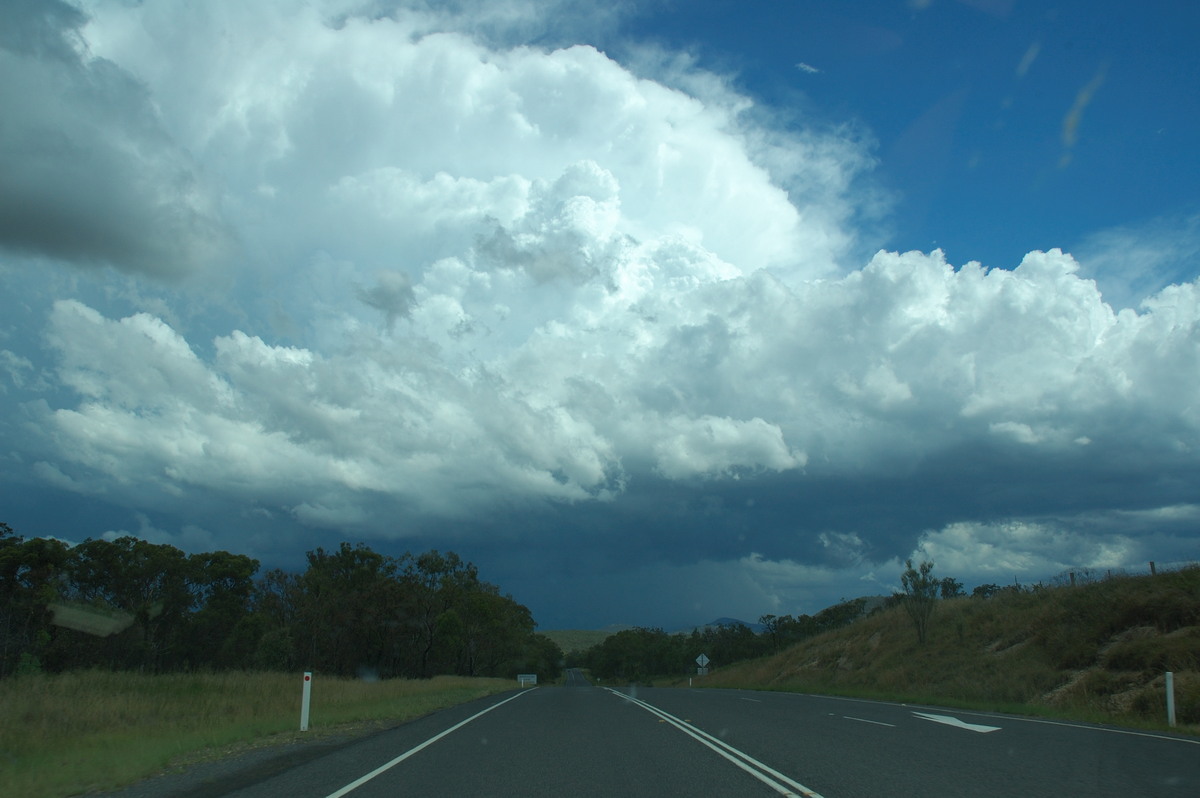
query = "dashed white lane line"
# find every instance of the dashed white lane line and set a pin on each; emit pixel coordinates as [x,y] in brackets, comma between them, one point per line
[876,722]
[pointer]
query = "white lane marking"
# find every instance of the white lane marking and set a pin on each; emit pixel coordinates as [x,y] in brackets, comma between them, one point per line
[1127,732]
[1006,718]
[354,785]
[764,773]
[951,721]
[864,720]
[755,700]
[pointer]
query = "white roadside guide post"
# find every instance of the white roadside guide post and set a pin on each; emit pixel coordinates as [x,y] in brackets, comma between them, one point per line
[1170,698]
[305,700]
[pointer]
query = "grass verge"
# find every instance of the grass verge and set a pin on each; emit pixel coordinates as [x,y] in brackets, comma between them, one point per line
[1097,652]
[72,733]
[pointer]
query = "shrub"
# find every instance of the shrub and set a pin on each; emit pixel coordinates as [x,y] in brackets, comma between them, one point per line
[1179,652]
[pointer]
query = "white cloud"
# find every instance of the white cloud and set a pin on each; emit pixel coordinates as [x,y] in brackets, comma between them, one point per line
[19,370]
[1133,263]
[607,375]
[710,445]
[998,552]
[459,276]
[389,115]
[1028,58]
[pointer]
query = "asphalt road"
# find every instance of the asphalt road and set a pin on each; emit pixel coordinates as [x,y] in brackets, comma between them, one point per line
[581,740]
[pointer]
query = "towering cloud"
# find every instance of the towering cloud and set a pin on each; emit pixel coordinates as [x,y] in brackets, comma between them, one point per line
[429,283]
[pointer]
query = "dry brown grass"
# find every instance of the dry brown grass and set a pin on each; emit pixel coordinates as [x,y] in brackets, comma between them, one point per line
[1096,651]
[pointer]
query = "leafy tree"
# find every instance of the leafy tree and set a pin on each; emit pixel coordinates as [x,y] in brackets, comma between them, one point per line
[985,591]
[495,634]
[344,602]
[951,588]
[145,580]
[128,603]
[540,655]
[793,630]
[276,610]
[635,655]
[434,583]
[841,614]
[770,624]
[731,643]
[920,595]
[220,633]
[28,584]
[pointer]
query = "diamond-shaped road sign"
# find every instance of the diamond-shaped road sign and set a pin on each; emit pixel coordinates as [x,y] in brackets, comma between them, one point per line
[702,660]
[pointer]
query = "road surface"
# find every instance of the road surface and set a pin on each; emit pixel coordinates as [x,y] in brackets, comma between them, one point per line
[583,740]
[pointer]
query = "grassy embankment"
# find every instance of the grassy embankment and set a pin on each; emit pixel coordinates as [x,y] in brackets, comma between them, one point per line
[94,730]
[577,640]
[1094,652]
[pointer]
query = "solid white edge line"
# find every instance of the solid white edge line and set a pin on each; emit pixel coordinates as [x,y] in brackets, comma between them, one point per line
[712,742]
[354,785]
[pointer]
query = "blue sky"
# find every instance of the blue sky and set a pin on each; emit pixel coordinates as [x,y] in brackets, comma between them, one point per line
[656,312]
[967,104]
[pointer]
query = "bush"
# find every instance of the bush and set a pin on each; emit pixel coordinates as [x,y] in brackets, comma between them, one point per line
[1180,652]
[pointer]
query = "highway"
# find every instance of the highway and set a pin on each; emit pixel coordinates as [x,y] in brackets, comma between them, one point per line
[583,740]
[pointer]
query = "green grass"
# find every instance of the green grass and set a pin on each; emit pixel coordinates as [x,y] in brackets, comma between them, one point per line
[96,730]
[1095,652]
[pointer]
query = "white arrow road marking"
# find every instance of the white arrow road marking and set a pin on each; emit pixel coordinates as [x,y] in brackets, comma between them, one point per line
[949,721]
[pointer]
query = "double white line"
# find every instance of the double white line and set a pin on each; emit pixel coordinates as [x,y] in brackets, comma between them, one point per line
[764,773]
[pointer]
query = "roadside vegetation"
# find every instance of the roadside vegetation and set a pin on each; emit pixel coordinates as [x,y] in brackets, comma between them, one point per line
[640,654]
[71,733]
[117,657]
[1096,650]
[128,604]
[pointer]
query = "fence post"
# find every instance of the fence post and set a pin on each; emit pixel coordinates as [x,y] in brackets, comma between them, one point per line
[1170,699]
[305,700]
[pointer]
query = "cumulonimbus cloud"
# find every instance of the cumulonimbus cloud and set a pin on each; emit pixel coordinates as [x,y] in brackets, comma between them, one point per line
[466,274]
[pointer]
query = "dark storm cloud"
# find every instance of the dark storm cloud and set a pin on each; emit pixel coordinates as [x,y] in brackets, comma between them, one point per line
[90,175]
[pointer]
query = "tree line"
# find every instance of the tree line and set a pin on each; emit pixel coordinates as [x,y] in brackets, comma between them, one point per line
[128,604]
[640,653]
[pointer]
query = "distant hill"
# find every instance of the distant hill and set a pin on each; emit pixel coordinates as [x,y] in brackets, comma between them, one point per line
[573,640]
[1095,650]
[757,628]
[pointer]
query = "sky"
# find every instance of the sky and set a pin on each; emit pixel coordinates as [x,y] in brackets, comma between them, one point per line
[657,312]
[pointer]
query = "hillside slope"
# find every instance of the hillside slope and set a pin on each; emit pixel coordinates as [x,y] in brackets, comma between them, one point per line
[1096,651]
[575,640]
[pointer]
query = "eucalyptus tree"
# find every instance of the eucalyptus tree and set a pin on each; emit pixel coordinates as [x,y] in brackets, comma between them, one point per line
[921,590]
